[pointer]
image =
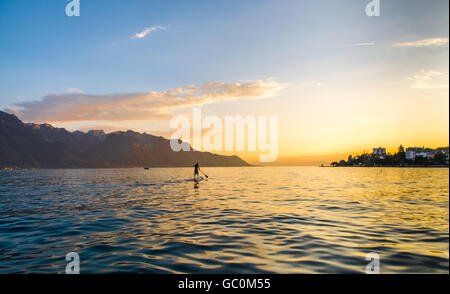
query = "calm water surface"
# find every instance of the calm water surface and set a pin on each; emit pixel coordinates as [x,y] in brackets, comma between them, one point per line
[242,220]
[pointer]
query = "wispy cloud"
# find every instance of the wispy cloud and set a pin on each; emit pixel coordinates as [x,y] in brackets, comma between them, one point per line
[139,106]
[429,79]
[431,42]
[312,84]
[358,44]
[148,30]
[72,90]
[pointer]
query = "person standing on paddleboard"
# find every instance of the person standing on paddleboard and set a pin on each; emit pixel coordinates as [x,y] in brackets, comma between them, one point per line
[196,169]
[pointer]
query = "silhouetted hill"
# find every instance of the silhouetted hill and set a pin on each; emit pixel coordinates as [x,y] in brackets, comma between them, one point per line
[44,146]
[22,146]
[136,149]
[78,140]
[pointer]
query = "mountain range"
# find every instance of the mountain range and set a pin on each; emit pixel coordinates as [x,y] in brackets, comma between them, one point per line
[29,145]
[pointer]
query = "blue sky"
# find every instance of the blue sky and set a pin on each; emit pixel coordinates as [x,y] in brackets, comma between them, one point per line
[45,51]
[302,44]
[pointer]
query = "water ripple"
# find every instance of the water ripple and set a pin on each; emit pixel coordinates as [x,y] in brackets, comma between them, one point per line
[241,220]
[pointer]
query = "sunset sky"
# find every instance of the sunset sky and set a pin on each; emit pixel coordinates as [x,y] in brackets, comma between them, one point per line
[340,82]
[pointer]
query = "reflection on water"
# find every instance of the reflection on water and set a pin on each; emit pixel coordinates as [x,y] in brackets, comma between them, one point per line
[241,220]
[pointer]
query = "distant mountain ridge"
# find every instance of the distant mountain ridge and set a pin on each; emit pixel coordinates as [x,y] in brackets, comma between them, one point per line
[29,145]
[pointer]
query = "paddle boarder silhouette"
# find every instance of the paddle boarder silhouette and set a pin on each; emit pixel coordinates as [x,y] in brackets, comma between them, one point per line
[196,169]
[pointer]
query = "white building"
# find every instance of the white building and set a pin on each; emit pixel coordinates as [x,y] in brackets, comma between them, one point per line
[379,152]
[412,152]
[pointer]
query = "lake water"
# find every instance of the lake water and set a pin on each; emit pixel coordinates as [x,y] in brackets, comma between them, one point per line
[241,220]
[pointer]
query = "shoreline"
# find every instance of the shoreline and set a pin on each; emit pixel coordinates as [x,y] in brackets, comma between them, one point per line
[411,166]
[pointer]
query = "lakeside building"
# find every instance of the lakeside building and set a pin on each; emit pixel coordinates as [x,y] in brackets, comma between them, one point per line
[379,152]
[412,153]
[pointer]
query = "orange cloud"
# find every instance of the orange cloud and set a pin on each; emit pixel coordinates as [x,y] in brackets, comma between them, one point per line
[138,106]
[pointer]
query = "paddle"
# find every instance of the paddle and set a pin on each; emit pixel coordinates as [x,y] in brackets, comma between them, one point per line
[204,173]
